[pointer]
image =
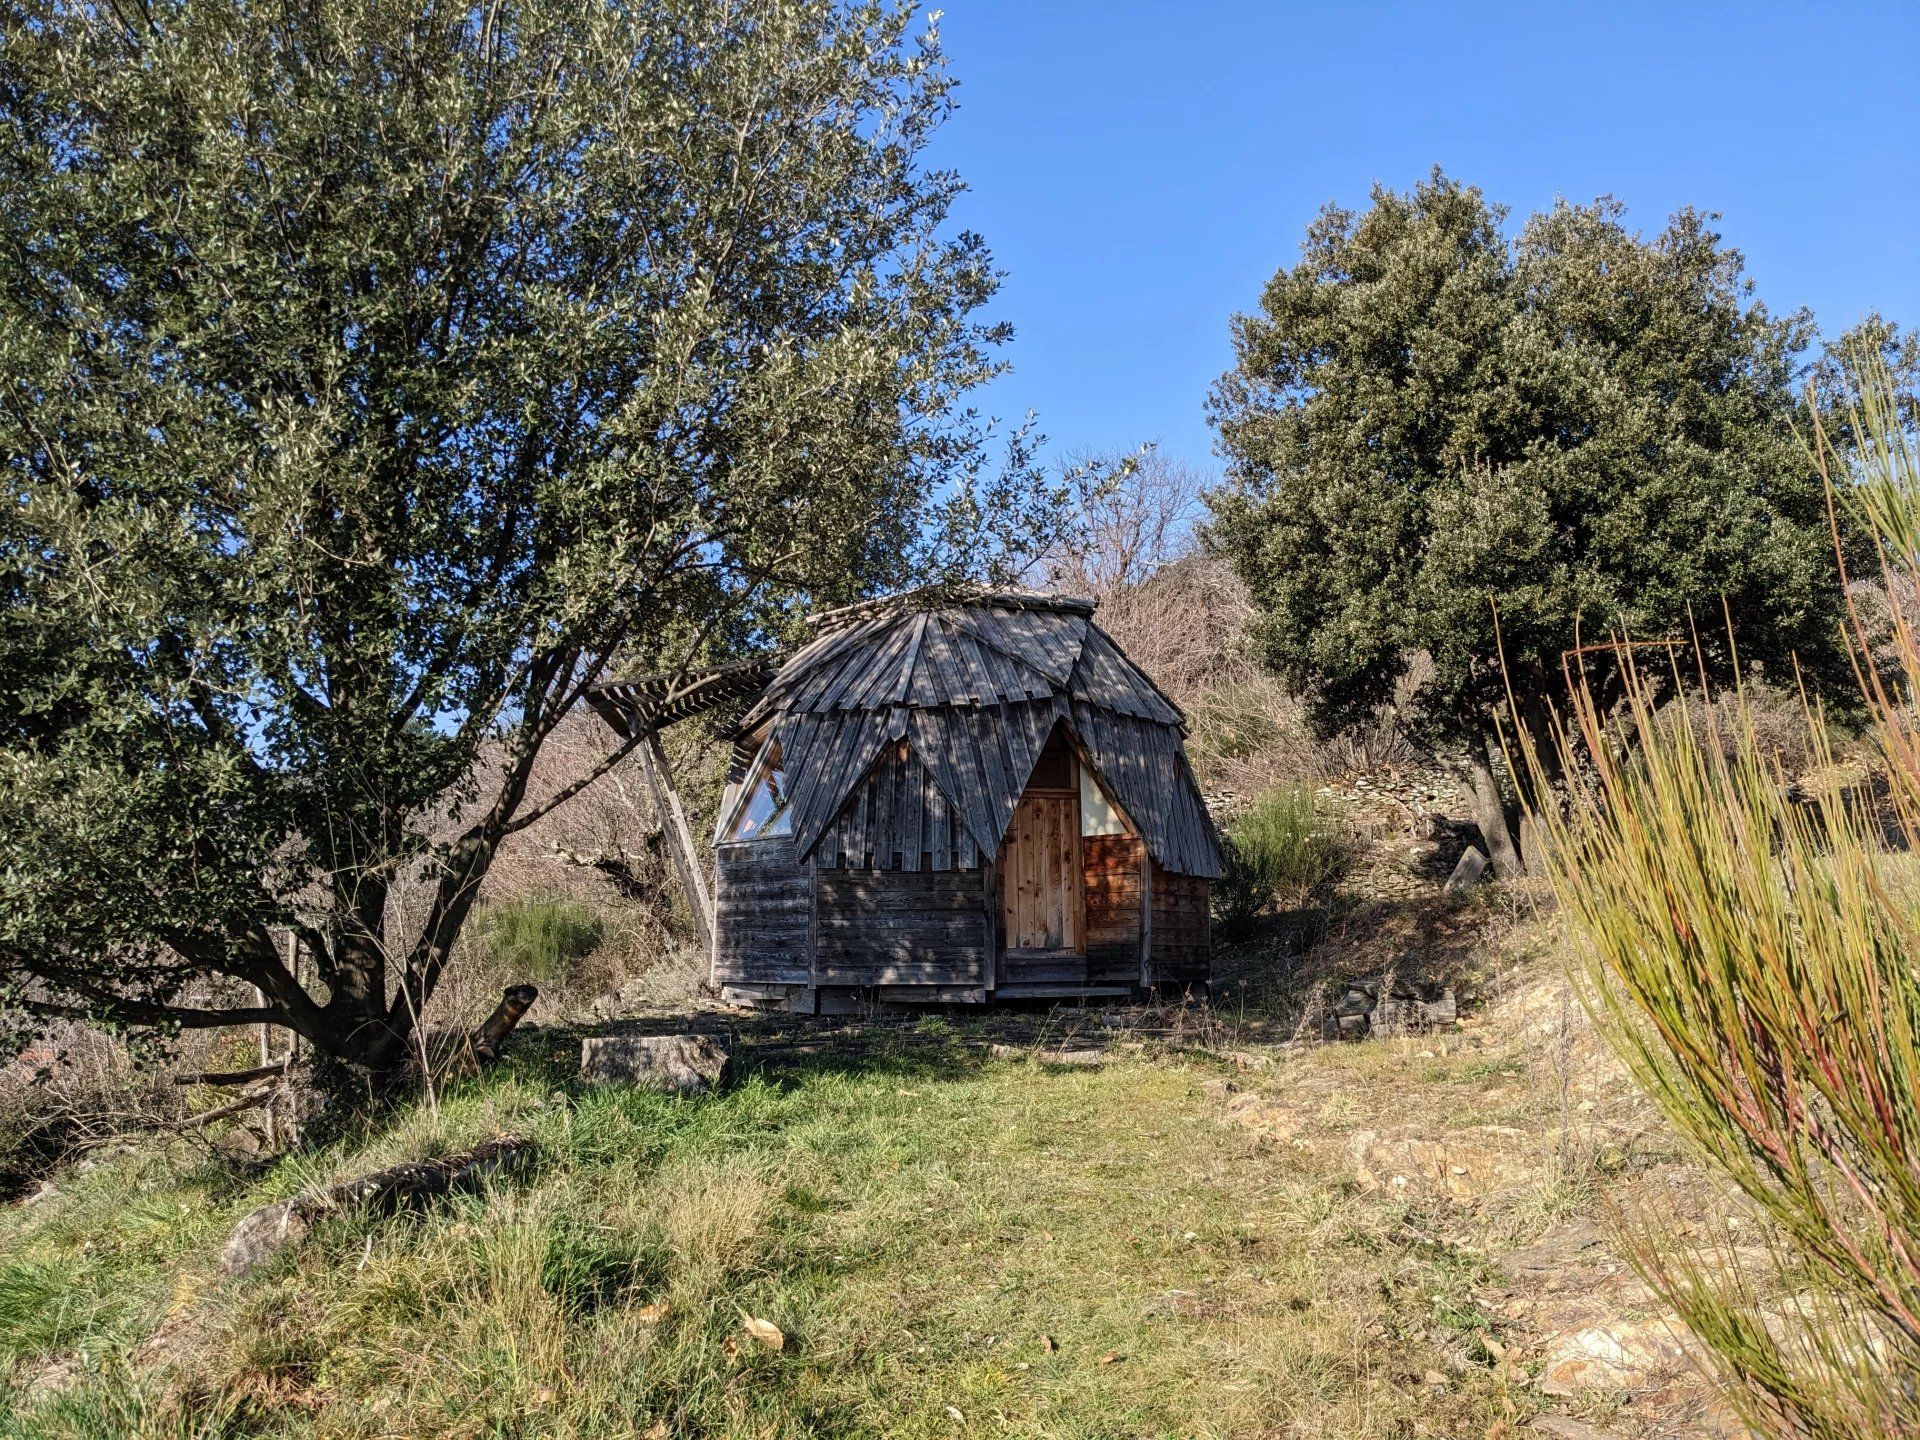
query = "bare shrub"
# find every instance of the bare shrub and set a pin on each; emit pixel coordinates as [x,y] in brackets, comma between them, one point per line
[1128,530]
[1186,626]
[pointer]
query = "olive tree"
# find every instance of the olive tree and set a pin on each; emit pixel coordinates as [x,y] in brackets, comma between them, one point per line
[371,372]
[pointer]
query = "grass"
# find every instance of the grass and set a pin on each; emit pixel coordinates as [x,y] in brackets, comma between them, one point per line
[952,1248]
[540,937]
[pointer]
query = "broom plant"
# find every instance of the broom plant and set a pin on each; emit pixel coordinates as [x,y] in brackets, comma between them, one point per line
[1750,946]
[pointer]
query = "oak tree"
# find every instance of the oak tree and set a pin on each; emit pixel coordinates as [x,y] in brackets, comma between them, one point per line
[1445,440]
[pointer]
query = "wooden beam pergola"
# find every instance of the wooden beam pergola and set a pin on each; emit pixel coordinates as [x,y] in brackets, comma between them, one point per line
[648,704]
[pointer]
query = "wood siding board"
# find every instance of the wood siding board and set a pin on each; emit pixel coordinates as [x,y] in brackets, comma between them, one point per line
[936,741]
[990,680]
[763,914]
[886,820]
[903,682]
[1165,710]
[1045,669]
[977,685]
[856,740]
[894,669]
[899,928]
[869,684]
[1112,680]
[955,742]
[1020,751]
[930,687]
[851,673]
[939,826]
[849,669]
[949,674]
[1050,643]
[913,833]
[812,673]
[997,788]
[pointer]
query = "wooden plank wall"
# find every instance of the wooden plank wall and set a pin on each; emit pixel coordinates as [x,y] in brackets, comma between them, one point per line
[763,903]
[1111,865]
[1177,937]
[901,927]
[897,819]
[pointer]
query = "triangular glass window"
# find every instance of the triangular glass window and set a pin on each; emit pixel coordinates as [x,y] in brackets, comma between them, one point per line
[763,813]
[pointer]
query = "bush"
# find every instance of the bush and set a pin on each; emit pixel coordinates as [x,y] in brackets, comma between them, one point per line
[1752,955]
[539,938]
[1283,852]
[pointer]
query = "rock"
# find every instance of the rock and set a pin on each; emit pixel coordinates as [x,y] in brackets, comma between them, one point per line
[1391,1006]
[1219,1088]
[1565,1427]
[1470,871]
[1414,1015]
[1567,1252]
[264,1232]
[677,1064]
[1257,1113]
[1619,1357]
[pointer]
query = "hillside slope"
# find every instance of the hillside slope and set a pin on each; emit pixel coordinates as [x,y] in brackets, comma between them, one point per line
[1193,1236]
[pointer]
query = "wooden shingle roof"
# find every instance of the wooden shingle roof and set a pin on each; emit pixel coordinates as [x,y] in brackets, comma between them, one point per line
[974,686]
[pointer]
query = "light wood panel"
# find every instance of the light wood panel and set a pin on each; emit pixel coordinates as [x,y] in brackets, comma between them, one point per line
[1042,891]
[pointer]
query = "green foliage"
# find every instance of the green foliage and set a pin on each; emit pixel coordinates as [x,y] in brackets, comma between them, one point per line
[1593,428]
[1753,951]
[540,937]
[370,374]
[1285,850]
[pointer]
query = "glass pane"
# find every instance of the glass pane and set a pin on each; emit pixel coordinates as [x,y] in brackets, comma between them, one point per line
[764,813]
[1097,813]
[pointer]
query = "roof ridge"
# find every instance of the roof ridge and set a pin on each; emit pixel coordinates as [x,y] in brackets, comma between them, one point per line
[945,596]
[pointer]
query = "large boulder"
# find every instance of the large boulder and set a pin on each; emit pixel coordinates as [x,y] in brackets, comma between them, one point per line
[677,1064]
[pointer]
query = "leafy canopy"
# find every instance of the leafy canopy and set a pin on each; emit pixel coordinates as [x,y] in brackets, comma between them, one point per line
[371,371]
[1590,429]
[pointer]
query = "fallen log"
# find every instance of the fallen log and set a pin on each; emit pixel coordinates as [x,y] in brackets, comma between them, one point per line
[233,1077]
[251,1100]
[267,1230]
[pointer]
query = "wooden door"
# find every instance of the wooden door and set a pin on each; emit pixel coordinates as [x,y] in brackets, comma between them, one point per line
[1041,883]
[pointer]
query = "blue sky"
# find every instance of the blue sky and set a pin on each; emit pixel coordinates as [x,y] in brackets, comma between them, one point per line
[1140,168]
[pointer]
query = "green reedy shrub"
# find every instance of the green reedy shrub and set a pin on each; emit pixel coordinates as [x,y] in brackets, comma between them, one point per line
[1281,854]
[1751,952]
[538,938]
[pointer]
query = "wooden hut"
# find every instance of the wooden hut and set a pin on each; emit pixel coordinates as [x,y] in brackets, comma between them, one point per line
[948,800]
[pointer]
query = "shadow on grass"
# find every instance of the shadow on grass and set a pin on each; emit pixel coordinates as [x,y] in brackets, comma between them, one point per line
[1282,969]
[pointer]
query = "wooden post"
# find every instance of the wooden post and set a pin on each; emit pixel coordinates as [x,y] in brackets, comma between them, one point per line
[673,820]
[266,1056]
[1146,916]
